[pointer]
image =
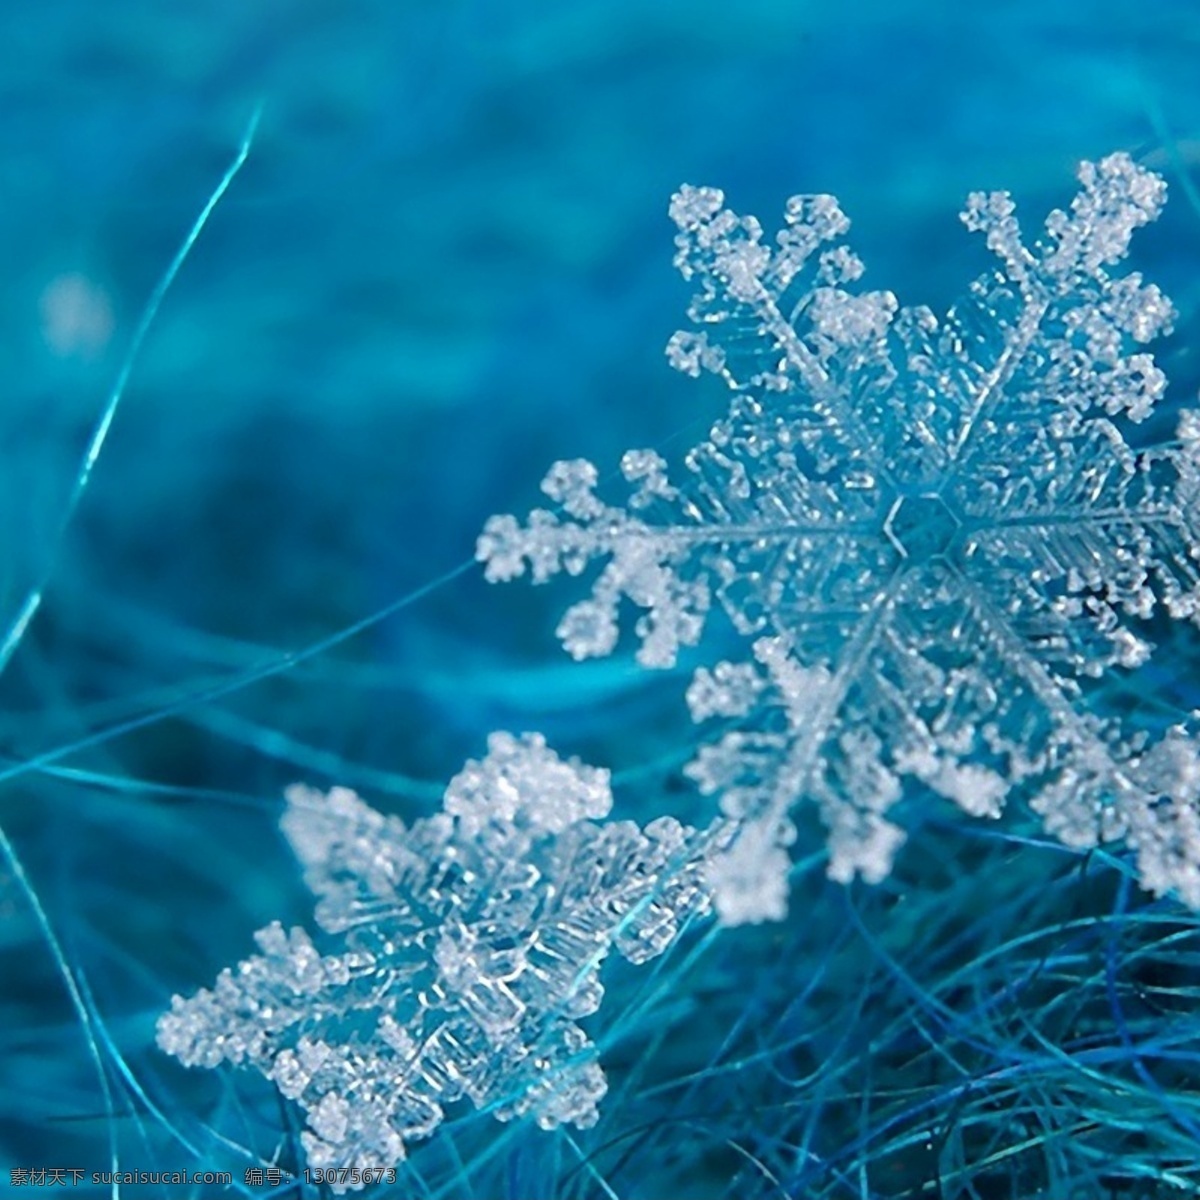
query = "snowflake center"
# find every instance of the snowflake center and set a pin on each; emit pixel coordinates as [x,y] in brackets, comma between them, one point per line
[921,527]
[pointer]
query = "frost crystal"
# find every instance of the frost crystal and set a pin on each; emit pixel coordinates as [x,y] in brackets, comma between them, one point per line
[935,531]
[468,945]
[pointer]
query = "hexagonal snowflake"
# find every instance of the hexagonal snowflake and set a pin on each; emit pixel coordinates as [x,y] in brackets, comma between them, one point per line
[936,531]
[466,947]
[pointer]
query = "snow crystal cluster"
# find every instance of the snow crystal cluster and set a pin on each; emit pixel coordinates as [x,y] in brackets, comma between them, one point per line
[465,948]
[932,532]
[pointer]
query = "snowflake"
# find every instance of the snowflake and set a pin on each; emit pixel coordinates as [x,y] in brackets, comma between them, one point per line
[936,532]
[468,946]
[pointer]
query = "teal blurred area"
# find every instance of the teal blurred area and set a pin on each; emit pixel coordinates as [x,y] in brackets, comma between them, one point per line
[445,264]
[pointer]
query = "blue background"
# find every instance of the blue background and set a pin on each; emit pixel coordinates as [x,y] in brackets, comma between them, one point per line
[445,264]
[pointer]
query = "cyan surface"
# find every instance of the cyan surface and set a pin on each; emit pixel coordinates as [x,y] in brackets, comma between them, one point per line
[446,264]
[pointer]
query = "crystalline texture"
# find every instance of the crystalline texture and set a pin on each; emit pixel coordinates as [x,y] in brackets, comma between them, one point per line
[466,947]
[934,531]
[921,526]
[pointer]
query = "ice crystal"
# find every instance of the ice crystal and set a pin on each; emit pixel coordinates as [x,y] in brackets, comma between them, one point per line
[935,531]
[467,947]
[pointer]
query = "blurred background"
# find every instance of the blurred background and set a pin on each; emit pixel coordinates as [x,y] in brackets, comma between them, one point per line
[446,263]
